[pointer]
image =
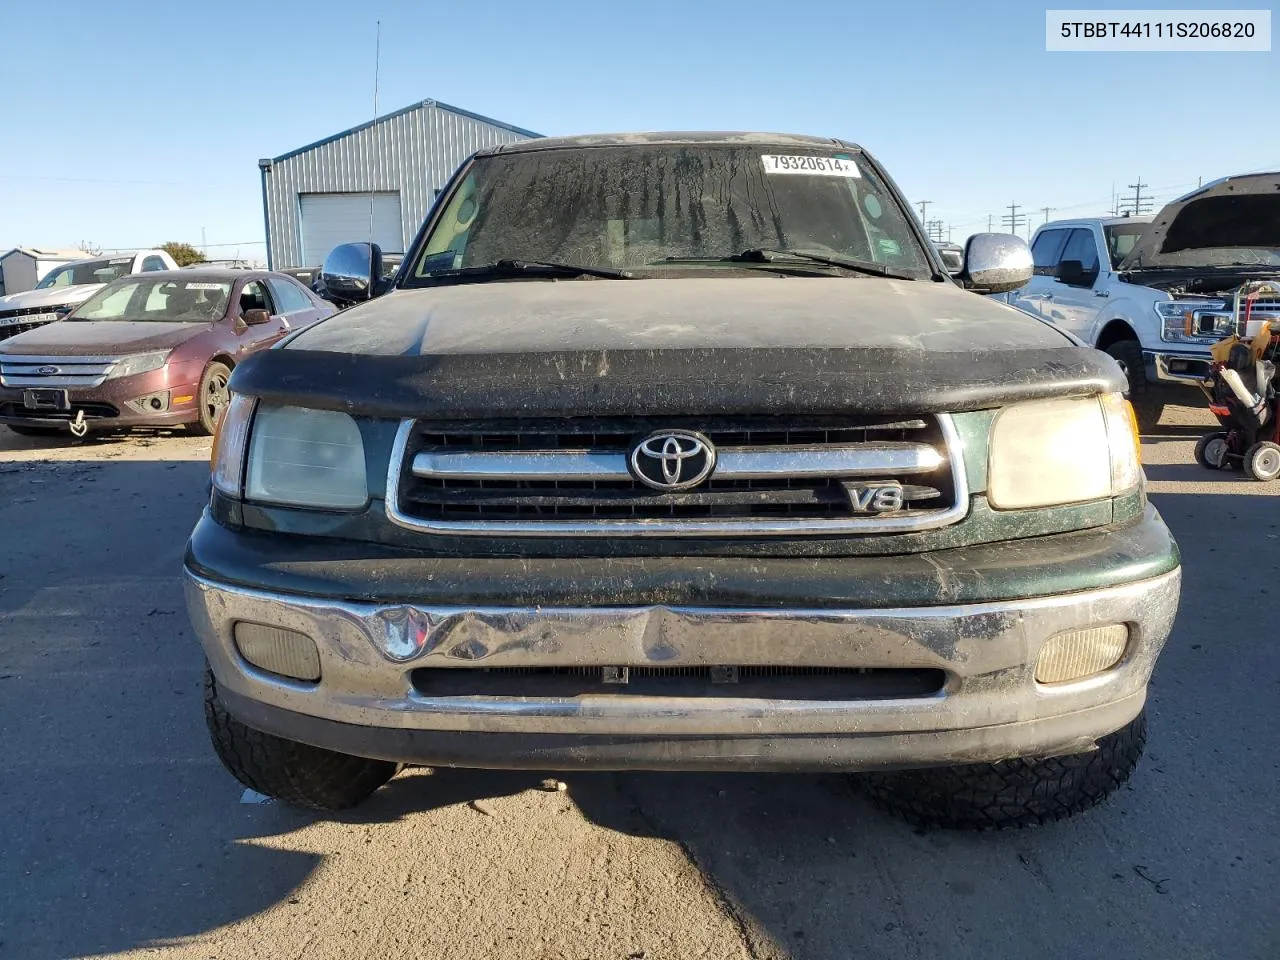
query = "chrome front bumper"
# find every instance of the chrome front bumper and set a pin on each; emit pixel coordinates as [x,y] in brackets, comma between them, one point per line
[1188,369]
[990,706]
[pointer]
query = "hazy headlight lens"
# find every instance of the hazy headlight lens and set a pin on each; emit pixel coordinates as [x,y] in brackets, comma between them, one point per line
[229,439]
[307,458]
[1048,452]
[138,363]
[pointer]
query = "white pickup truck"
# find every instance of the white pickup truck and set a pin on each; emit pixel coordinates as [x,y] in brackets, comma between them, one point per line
[1156,292]
[63,289]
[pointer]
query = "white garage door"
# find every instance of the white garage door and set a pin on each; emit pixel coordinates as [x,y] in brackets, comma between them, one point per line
[329,219]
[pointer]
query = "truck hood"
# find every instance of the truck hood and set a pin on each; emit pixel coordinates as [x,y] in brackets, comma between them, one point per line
[50,296]
[603,347]
[69,338]
[1230,222]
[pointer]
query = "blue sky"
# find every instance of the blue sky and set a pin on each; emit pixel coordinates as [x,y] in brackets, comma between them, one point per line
[128,123]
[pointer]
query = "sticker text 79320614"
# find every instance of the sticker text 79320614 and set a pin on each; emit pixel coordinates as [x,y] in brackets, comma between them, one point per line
[812,166]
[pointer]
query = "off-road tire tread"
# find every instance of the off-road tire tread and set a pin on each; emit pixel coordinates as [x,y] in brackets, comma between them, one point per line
[296,773]
[1129,352]
[1010,793]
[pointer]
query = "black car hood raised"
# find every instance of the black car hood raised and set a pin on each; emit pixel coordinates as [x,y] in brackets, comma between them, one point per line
[734,345]
[1230,222]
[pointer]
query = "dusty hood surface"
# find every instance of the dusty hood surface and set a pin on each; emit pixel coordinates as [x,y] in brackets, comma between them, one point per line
[743,313]
[605,347]
[1232,222]
[50,296]
[69,338]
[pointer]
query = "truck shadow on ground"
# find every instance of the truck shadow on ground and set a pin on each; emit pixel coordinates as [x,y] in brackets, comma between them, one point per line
[119,830]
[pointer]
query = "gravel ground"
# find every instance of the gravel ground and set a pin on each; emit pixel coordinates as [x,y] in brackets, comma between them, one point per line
[120,835]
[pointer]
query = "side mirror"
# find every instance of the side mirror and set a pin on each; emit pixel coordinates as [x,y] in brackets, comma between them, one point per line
[1073,274]
[953,260]
[996,262]
[350,272]
[256,317]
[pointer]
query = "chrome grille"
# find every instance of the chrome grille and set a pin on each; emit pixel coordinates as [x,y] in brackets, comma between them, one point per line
[772,476]
[22,371]
[1222,321]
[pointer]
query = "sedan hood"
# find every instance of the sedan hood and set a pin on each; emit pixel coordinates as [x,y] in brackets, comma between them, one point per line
[50,297]
[602,347]
[1231,222]
[69,338]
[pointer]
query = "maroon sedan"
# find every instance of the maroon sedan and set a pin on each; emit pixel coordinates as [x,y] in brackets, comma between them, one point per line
[153,349]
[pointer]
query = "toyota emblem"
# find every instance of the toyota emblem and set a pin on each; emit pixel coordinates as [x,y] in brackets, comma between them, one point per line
[670,460]
[47,371]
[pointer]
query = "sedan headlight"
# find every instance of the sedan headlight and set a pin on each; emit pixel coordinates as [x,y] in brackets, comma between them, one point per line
[138,363]
[1048,452]
[1177,323]
[305,458]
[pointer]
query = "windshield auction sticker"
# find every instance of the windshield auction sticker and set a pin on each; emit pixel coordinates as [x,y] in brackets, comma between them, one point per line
[1152,31]
[812,166]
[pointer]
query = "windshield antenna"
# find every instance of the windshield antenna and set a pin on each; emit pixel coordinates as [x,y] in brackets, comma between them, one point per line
[373,142]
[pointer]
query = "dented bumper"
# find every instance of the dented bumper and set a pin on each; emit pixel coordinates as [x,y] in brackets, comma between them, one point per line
[813,687]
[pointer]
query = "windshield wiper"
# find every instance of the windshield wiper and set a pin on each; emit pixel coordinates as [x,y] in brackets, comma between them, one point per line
[768,255]
[778,260]
[520,268]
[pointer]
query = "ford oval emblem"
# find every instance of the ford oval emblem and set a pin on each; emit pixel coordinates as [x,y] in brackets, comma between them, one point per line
[48,371]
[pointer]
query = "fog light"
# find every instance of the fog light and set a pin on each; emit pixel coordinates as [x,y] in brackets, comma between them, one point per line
[1081,653]
[151,402]
[276,650]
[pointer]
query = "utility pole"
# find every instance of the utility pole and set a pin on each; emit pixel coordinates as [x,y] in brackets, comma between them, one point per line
[933,230]
[1013,219]
[924,205]
[948,233]
[988,223]
[1047,211]
[1139,204]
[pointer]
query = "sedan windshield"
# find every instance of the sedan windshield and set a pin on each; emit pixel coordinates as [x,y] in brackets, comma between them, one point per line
[90,271]
[673,207]
[161,299]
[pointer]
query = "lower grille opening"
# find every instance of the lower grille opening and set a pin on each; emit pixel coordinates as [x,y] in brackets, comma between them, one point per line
[738,682]
[92,411]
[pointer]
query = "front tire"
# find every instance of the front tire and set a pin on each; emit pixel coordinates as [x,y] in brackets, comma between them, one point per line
[296,773]
[1011,793]
[1128,353]
[1262,460]
[213,398]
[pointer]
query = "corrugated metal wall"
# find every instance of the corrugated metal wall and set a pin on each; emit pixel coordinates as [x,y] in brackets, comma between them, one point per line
[414,152]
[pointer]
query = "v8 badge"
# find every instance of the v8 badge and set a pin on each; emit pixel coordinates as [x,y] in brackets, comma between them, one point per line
[884,497]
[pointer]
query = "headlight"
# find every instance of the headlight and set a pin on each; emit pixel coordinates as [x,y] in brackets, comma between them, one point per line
[1047,452]
[305,458]
[138,363]
[230,437]
[1177,324]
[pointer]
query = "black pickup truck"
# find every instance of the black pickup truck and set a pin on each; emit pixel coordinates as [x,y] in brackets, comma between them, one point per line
[683,451]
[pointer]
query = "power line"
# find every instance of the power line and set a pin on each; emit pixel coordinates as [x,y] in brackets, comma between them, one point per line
[1139,204]
[1013,219]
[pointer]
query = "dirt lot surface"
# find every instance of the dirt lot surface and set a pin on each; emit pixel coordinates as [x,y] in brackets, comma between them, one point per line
[120,835]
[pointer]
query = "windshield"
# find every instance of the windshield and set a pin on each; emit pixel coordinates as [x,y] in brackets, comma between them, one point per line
[1121,238]
[639,207]
[195,301]
[88,271]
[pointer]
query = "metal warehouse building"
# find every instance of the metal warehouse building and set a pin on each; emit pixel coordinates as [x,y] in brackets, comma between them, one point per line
[319,196]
